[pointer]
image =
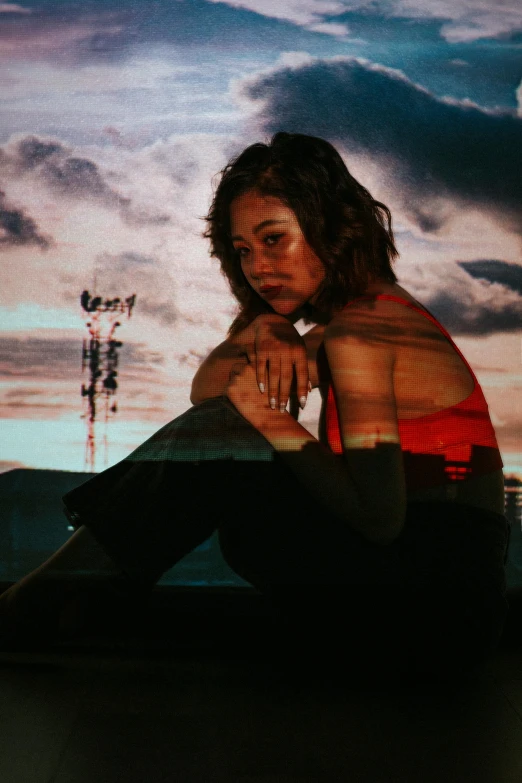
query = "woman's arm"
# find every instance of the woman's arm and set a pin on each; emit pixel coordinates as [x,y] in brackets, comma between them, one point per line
[360,345]
[276,350]
[212,377]
[365,487]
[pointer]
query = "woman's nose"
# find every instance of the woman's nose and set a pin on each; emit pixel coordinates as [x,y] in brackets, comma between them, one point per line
[260,264]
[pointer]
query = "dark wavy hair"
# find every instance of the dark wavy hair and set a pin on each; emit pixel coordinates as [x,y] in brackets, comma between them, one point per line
[348,230]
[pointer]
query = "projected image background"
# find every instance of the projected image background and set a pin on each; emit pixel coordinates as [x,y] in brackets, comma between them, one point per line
[116,117]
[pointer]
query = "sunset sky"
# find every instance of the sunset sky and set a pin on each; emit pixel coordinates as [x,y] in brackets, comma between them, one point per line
[117,115]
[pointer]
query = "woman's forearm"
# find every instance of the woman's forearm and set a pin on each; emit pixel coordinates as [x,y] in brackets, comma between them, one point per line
[212,377]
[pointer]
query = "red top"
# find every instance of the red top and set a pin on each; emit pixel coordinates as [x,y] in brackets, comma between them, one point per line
[449,445]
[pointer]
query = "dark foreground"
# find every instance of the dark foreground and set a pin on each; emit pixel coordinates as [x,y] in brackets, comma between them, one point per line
[203,688]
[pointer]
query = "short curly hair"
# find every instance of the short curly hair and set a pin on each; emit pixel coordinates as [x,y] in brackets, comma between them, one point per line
[348,230]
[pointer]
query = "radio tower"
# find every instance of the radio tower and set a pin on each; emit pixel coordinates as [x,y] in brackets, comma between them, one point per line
[100,357]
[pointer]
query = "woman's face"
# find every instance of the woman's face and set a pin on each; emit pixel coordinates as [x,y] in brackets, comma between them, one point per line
[274,252]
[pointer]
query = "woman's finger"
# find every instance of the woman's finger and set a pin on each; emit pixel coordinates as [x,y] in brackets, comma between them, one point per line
[274,374]
[285,382]
[303,379]
[261,359]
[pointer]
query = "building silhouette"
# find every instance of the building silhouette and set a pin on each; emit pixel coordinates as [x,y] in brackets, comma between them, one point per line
[513,495]
[513,511]
[439,468]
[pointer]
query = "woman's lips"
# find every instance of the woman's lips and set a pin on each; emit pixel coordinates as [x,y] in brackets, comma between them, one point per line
[270,293]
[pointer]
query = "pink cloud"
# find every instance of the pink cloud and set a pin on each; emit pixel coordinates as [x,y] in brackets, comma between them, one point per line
[13,8]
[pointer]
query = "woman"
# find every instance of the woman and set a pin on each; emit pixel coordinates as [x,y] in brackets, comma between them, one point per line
[395,515]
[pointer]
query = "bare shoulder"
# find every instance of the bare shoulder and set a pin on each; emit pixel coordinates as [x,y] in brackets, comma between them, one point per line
[376,322]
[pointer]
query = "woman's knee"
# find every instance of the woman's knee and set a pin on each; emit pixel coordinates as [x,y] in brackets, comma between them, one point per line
[212,430]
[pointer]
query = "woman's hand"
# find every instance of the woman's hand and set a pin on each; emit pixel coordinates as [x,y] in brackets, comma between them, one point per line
[279,349]
[243,392]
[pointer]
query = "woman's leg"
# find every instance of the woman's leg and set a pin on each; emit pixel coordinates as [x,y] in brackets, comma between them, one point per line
[210,469]
[141,516]
[205,470]
[45,600]
[128,505]
[173,491]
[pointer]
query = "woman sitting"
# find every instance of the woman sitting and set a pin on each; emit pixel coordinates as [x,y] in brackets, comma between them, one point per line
[390,525]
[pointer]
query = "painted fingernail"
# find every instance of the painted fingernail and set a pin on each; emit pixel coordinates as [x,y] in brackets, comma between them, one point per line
[302,401]
[282,407]
[262,388]
[272,403]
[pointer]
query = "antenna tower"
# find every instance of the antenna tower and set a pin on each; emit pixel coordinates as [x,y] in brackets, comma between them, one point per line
[100,358]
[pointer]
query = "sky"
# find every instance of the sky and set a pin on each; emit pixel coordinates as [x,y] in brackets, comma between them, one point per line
[116,119]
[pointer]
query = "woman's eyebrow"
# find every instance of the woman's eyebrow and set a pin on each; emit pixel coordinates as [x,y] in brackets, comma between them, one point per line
[260,226]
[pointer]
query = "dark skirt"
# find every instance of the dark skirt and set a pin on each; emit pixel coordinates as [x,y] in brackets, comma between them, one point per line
[438,591]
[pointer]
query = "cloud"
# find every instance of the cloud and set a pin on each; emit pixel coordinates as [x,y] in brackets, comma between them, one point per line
[66,34]
[330,28]
[130,260]
[494,271]
[30,152]
[464,315]
[465,20]
[79,178]
[79,33]
[460,20]
[75,33]
[156,298]
[163,311]
[72,176]
[17,228]
[509,436]
[469,304]
[69,175]
[440,150]
[42,378]
[153,247]
[13,8]
[38,358]
[313,15]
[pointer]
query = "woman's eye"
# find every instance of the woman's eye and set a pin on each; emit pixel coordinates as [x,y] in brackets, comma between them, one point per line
[241,251]
[271,239]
